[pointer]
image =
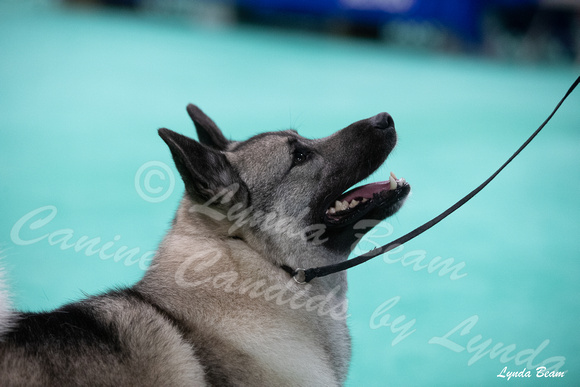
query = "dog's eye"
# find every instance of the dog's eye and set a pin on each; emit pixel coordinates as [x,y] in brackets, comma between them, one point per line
[299,156]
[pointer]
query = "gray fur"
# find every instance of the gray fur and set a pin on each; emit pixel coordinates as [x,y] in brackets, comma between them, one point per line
[216,307]
[6,315]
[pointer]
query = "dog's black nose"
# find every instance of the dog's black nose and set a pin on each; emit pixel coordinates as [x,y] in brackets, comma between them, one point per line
[383,121]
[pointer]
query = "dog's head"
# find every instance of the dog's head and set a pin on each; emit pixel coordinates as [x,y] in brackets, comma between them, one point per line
[288,191]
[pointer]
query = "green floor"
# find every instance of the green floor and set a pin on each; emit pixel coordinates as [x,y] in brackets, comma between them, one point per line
[83,92]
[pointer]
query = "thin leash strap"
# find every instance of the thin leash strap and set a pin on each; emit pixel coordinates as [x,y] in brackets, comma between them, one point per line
[307,275]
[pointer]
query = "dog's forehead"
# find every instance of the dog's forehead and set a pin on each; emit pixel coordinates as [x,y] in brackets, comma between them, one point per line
[270,151]
[264,141]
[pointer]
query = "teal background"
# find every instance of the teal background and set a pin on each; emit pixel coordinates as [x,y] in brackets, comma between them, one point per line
[82,92]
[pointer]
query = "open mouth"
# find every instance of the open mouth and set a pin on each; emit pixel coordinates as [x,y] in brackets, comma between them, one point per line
[386,197]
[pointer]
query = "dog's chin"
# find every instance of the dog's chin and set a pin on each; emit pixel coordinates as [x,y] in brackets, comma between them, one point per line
[373,202]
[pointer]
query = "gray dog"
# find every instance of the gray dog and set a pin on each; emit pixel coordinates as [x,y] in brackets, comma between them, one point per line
[218,306]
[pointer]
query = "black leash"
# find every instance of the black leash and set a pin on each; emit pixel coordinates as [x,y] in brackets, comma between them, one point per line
[307,275]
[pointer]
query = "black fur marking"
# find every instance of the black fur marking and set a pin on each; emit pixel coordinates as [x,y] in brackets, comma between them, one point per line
[132,293]
[215,375]
[73,327]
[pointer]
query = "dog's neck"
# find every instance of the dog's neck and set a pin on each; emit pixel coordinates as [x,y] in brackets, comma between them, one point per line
[200,260]
[278,243]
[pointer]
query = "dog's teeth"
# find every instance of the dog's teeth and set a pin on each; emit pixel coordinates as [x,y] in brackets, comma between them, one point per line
[394,177]
[344,205]
[393,182]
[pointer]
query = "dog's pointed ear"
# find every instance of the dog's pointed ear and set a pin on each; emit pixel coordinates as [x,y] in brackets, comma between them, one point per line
[206,172]
[207,131]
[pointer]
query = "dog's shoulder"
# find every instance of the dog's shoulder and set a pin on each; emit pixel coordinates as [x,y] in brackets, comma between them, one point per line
[118,334]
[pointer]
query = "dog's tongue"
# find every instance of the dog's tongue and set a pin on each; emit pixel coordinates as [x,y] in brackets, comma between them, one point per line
[367,191]
[349,201]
